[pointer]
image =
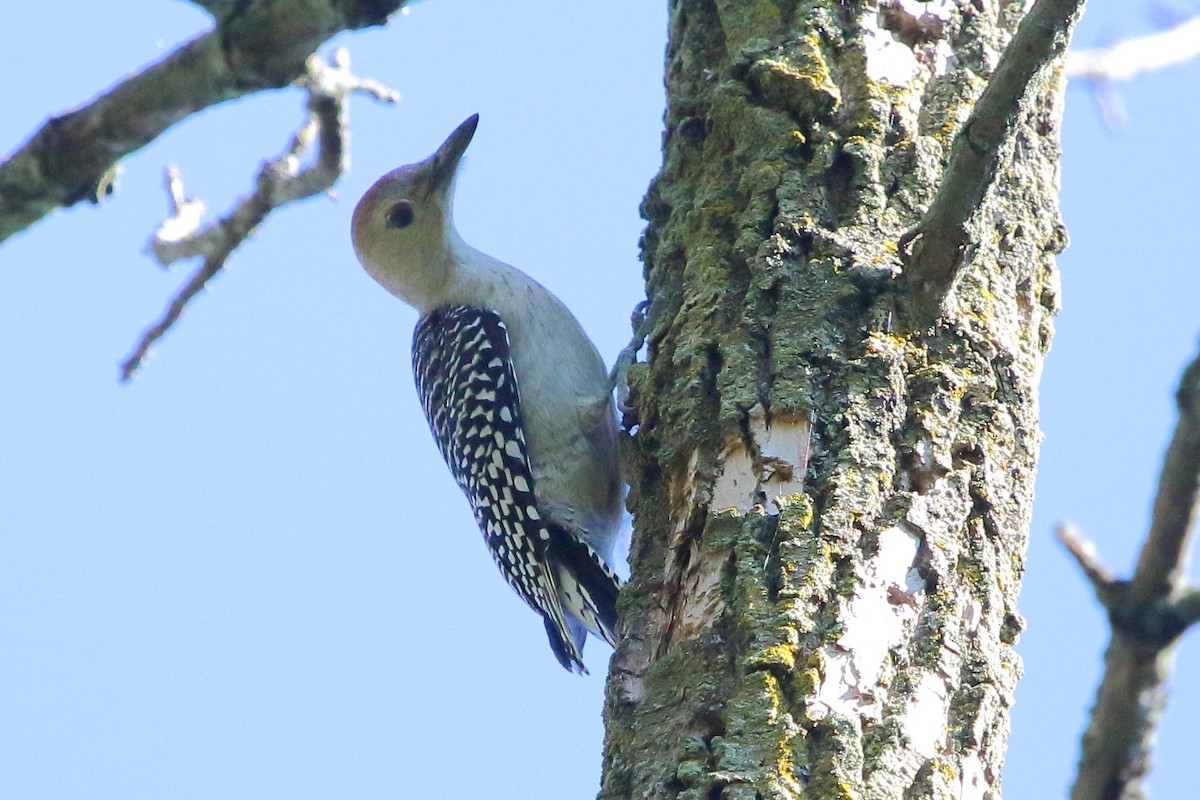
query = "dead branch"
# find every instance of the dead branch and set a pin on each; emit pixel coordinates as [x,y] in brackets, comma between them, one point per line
[1101,68]
[254,45]
[1131,57]
[278,183]
[1148,613]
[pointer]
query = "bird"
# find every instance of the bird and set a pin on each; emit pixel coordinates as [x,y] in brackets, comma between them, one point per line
[516,395]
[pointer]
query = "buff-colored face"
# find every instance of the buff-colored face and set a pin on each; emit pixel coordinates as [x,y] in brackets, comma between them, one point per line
[400,225]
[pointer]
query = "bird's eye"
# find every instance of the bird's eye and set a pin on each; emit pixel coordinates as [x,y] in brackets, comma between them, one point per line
[400,215]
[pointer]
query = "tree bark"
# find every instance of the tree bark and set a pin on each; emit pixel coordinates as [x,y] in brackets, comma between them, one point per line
[831,505]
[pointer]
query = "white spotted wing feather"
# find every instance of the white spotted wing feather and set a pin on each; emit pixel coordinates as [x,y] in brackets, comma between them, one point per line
[469,392]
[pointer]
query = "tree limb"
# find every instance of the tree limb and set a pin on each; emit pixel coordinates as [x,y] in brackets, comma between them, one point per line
[938,240]
[1131,57]
[1148,613]
[1102,67]
[1104,583]
[255,45]
[279,182]
[1159,571]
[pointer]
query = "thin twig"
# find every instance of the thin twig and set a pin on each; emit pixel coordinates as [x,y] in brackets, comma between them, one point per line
[177,237]
[73,156]
[1085,554]
[940,238]
[278,183]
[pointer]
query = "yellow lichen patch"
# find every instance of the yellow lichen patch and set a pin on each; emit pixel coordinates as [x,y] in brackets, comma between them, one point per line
[780,655]
[748,22]
[798,82]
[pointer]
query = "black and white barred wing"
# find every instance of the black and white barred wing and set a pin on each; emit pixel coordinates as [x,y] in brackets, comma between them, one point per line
[468,390]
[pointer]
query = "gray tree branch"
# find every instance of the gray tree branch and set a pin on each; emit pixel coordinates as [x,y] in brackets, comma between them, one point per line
[254,45]
[1101,68]
[279,182]
[1131,57]
[1148,613]
[938,240]
[1084,552]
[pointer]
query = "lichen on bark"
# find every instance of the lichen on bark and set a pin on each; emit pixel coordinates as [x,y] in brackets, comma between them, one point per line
[831,511]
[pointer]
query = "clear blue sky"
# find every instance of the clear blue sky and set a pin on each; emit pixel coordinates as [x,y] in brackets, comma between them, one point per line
[248,574]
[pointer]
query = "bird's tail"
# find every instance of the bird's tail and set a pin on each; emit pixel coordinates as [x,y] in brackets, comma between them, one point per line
[587,593]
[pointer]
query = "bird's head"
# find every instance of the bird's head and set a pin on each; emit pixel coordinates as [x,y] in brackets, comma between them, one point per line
[402,225]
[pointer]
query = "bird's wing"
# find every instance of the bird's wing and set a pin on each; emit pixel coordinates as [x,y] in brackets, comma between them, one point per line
[468,390]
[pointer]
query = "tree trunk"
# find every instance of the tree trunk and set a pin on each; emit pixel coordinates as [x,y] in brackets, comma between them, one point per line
[831,505]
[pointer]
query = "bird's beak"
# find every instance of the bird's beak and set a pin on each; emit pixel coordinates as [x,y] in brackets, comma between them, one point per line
[444,163]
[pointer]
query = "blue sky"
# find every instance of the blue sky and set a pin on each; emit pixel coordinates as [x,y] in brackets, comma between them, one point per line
[248,574]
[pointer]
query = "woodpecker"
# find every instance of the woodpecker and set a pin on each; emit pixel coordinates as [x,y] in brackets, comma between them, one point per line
[516,395]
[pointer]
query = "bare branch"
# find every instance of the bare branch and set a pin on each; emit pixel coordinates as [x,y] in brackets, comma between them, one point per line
[1148,614]
[255,45]
[1084,551]
[1129,58]
[1160,567]
[279,182]
[1102,67]
[176,238]
[938,240]
[1115,755]
[1189,608]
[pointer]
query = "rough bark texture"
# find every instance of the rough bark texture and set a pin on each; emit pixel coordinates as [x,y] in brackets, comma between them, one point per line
[831,513]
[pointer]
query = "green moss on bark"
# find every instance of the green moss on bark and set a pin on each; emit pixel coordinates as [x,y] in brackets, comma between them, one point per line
[745,667]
